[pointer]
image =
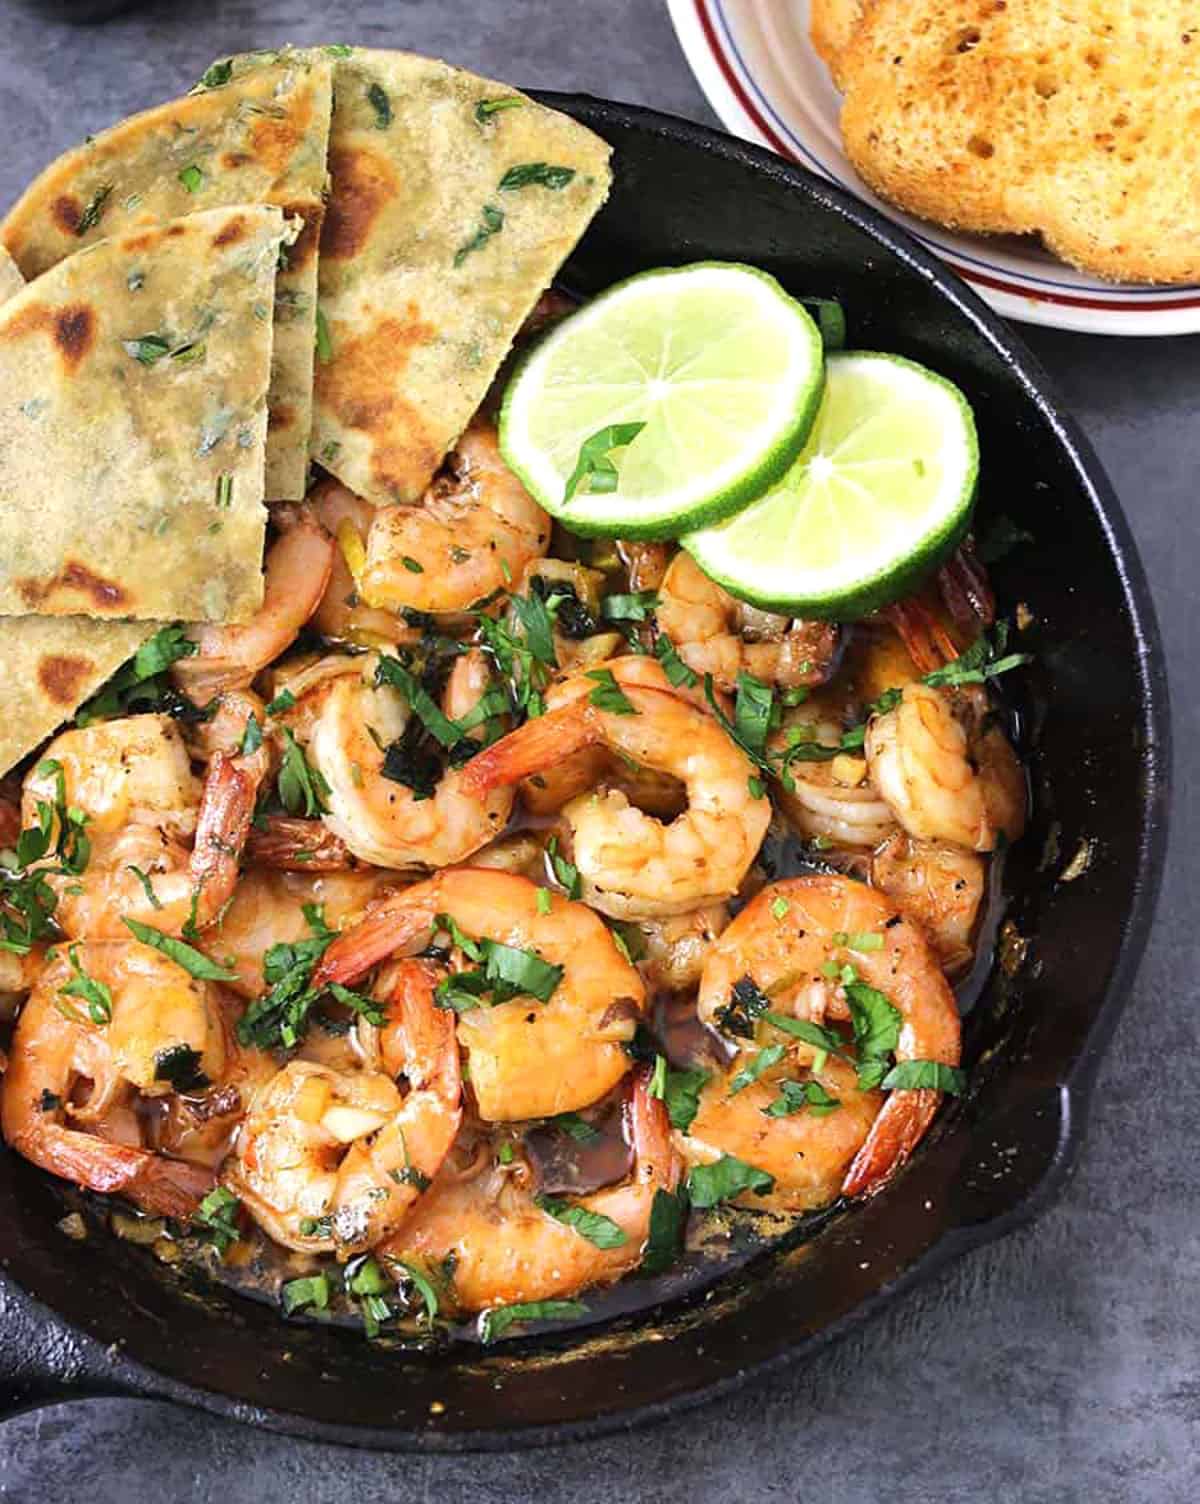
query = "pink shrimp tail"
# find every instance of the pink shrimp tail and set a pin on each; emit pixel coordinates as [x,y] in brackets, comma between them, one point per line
[372,940]
[226,809]
[289,844]
[538,744]
[894,1134]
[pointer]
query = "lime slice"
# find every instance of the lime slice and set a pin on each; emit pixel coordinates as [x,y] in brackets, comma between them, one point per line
[718,364]
[880,494]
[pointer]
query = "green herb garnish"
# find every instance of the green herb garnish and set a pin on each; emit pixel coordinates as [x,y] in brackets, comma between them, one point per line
[494,1323]
[302,788]
[931,1075]
[192,177]
[311,1290]
[595,465]
[193,962]
[97,995]
[491,222]
[536,174]
[608,694]
[487,108]
[179,1065]
[90,217]
[682,1095]
[216,1218]
[726,1178]
[598,1229]
[378,100]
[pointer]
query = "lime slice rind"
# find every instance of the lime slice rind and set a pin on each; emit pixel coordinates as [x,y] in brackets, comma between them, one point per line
[880,494]
[750,368]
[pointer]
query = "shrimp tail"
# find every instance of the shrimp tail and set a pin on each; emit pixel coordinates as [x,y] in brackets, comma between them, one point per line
[893,1136]
[929,644]
[226,809]
[966,590]
[538,744]
[172,1188]
[650,1130]
[289,844]
[372,940]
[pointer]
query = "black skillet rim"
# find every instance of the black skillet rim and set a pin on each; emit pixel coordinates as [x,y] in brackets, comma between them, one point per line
[137,1380]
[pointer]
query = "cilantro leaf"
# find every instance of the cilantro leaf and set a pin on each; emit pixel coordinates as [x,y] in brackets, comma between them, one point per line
[726,1178]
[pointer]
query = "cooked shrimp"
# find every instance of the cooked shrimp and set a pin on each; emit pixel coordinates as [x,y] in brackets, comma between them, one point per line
[133,780]
[782,940]
[830,800]
[158,1012]
[806,1153]
[660,794]
[504,1249]
[386,822]
[631,865]
[288,1150]
[268,909]
[920,759]
[473,533]
[938,886]
[342,615]
[715,634]
[384,1174]
[526,1059]
[297,571]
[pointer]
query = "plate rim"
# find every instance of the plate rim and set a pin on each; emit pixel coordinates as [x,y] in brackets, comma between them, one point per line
[716,72]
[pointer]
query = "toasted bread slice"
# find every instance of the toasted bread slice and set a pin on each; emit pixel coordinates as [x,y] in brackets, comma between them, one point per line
[831,26]
[1075,119]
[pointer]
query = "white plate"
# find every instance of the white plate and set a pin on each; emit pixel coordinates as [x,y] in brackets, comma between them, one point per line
[754,61]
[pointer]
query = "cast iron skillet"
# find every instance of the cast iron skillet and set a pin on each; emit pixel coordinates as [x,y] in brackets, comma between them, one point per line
[1096,723]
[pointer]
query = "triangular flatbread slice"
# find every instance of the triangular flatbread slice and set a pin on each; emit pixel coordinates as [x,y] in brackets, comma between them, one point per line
[260,138]
[454,200]
[133,382]
[51,665]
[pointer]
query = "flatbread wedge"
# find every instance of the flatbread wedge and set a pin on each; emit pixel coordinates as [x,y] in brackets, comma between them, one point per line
[52,664]
[11,280]
[260,138]
[133,381]
[454,200]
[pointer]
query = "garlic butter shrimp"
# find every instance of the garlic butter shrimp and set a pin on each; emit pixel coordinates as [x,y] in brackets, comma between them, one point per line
[785,936]
[383,821]
[342,615]
[297,571]
[938,886]
[383,1175]
[507,1250]
[69,1074]
[473,533]
[333,1159]
[645,563]
[806,1153]
[631,865]
[268,909]
[288,1149]
[547,791]
[947,776]
[526,1059]
[715,634]
[164,848]
[829,799]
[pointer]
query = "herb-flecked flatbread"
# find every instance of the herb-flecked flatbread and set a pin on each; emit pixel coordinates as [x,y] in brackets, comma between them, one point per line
[454,200]
[52,664]
[133,419]
[11,280]
[258,139]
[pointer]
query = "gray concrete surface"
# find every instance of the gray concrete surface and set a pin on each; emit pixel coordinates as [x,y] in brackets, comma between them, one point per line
[1062,1365]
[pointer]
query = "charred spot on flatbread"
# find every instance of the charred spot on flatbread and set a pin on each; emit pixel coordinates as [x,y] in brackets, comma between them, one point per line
[100,597]
[363,389]
[72,329]
[363,182]
[231,233]
[66,211]
[62,677]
